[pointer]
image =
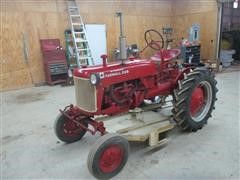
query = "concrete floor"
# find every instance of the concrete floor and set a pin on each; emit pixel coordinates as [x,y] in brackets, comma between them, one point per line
[31,150]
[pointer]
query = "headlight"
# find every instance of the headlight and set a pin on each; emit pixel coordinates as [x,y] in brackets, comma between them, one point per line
[94,79]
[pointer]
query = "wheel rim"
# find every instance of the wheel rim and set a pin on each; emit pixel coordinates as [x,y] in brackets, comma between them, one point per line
[70,129]
[111,159]
[200,102]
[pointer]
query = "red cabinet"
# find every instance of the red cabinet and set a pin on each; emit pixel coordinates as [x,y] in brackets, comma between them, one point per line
[54,58]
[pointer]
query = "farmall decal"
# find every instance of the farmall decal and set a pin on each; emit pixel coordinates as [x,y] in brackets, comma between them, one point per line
[118,72]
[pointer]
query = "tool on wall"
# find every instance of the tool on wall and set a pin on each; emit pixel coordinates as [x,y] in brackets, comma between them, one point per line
[80,39]
[26,54]
[194,33]
[168,31]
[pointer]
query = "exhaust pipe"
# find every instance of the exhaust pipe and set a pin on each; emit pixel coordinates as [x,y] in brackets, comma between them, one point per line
[122,39]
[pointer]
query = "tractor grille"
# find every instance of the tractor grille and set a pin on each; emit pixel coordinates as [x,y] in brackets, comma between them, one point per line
[85,94]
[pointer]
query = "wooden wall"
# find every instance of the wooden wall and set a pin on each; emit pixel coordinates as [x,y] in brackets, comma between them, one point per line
[36,20]
[187,12]
[48,19]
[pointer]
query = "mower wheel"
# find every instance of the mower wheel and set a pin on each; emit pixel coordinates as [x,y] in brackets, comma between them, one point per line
[194,99]
[67,130]
[108,156]
[155,100]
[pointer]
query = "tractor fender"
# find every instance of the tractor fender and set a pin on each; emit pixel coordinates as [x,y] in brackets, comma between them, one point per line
[180,76]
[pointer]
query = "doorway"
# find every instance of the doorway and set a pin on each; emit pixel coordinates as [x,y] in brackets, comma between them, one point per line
[97,41]
[229,46]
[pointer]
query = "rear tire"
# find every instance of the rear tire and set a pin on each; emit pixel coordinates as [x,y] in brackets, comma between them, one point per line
[194,99]
[108,156]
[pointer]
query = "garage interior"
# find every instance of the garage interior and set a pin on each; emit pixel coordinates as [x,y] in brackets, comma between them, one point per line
[31,96]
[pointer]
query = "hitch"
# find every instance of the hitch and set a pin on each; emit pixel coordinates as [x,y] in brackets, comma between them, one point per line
[72,114]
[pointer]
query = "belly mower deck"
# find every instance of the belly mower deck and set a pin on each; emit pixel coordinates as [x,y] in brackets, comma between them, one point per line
[139,125]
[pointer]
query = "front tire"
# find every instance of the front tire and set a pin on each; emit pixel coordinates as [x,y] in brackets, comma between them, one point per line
[67,130]
[108,156]
[194,99]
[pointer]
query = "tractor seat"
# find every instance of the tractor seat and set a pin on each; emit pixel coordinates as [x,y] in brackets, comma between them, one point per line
[167,54]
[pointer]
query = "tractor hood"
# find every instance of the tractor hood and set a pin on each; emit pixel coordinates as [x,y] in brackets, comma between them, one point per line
[132,69]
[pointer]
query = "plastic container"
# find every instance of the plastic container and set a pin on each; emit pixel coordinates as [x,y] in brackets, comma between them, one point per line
[226,57]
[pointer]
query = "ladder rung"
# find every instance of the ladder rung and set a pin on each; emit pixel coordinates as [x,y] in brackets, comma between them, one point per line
[75,32]
[84,57]
[83,49]
[72,7]
[80,40]
[77,24]
[75,15]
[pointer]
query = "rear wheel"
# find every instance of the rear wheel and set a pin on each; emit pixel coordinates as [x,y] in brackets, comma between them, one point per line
[194,99]
[67,130]
[108,156]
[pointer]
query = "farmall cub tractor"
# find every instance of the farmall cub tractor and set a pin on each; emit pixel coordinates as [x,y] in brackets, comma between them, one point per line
[108,98]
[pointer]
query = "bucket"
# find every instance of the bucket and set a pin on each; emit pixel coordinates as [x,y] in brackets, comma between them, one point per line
[226,57]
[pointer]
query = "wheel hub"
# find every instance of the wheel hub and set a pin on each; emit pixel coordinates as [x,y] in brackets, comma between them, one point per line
[200,101]
[111,159]
[197,100]
[71,129]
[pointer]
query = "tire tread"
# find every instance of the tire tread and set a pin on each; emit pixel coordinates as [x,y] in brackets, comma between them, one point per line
[181,97]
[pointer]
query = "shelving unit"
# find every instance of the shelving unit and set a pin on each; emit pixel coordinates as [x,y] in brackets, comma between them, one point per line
[191,54]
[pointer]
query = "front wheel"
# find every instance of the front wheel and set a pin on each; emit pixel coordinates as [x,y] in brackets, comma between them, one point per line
[194,99]
[108,156]
[67,130]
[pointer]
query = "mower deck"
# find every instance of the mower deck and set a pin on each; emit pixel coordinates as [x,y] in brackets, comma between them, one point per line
[139,125]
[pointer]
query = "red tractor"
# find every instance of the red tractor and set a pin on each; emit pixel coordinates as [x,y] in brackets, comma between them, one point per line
[115,88]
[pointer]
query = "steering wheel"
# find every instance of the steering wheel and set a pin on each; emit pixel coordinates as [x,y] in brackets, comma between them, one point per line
[154,39]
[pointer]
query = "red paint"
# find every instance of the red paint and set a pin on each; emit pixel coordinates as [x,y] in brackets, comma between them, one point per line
[75,115]
[98,126]
[49,44]
[70,129]
[133,81]
[53,56]
[197,100]
[104,59]
[125,86]
[136,68]
[111,158]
